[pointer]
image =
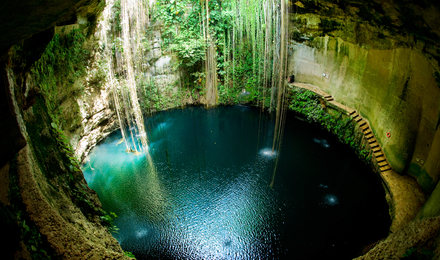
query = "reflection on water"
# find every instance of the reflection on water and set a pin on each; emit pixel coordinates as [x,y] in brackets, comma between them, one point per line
[322,142]
[268,153]
[330,200]
[207,195]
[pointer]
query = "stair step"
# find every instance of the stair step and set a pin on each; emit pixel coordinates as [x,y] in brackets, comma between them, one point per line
[363,127]
[380,159]
[385,168]
[358,118]
[367,131]
[372,140]
[378,153]
[382,164]
[375,146]
[327,96]
[388,171]
[369,136]
[362,123]
[330,99]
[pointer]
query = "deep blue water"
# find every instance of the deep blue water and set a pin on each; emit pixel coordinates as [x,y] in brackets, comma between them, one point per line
[209,197]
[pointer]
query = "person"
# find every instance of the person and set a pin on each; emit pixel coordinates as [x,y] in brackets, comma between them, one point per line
[291,79]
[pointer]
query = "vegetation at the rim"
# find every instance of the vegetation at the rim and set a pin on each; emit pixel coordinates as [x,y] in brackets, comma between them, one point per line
[240,40]
[58,74]
[61,64]
[307,103]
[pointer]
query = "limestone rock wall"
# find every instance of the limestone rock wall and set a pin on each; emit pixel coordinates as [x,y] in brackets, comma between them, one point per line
[394,89]
[383,60]
[161,67]
[98,120]
[50,197]
[418,234]
[70,234]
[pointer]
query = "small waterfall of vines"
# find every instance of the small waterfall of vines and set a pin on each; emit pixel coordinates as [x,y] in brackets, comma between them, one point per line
[227,52]
[228,47]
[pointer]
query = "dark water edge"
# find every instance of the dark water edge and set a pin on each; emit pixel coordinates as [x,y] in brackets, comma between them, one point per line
[209,197]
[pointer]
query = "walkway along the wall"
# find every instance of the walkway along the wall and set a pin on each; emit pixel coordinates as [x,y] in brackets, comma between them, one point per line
[404,195]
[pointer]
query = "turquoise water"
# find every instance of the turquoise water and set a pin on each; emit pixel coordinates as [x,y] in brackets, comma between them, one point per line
[207,196]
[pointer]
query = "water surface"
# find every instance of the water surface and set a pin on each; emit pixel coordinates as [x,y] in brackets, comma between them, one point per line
[208,196]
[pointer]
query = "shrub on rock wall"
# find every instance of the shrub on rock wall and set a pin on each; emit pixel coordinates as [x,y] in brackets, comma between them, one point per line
[307,103]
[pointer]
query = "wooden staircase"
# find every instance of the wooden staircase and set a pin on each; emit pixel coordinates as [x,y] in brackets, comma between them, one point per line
[378,154]
[328,98]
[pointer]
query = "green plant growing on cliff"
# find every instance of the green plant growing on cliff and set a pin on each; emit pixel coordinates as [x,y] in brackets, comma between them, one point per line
[195,32]
[129,254]
[61,64]
[235,43]
[107,220]
[308,104]
[116,11]
[78,191]
[63,142]
[418,254]
[181,34]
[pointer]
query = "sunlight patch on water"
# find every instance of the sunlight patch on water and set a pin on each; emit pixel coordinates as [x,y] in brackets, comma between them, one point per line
[220,227]
[330,200]
[267,152]
[160,128]
[141,233]
[113,156]
[322,142]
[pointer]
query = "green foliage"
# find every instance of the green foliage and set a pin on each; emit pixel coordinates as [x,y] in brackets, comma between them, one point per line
[116,21]
[129,254]
[244,35]
[33,241]
[64,144]
[418,254]
[307,103]
[184,35]
[61,64]
[79,191]
[107,220]
[242,74]
[181,33]
[154,98]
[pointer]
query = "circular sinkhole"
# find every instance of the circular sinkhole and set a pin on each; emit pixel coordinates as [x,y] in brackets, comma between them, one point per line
[208,194]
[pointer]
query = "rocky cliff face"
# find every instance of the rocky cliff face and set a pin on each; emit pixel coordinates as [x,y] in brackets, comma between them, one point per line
[45,200]
[383,60]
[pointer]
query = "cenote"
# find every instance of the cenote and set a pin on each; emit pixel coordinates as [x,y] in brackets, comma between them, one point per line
[208,194]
